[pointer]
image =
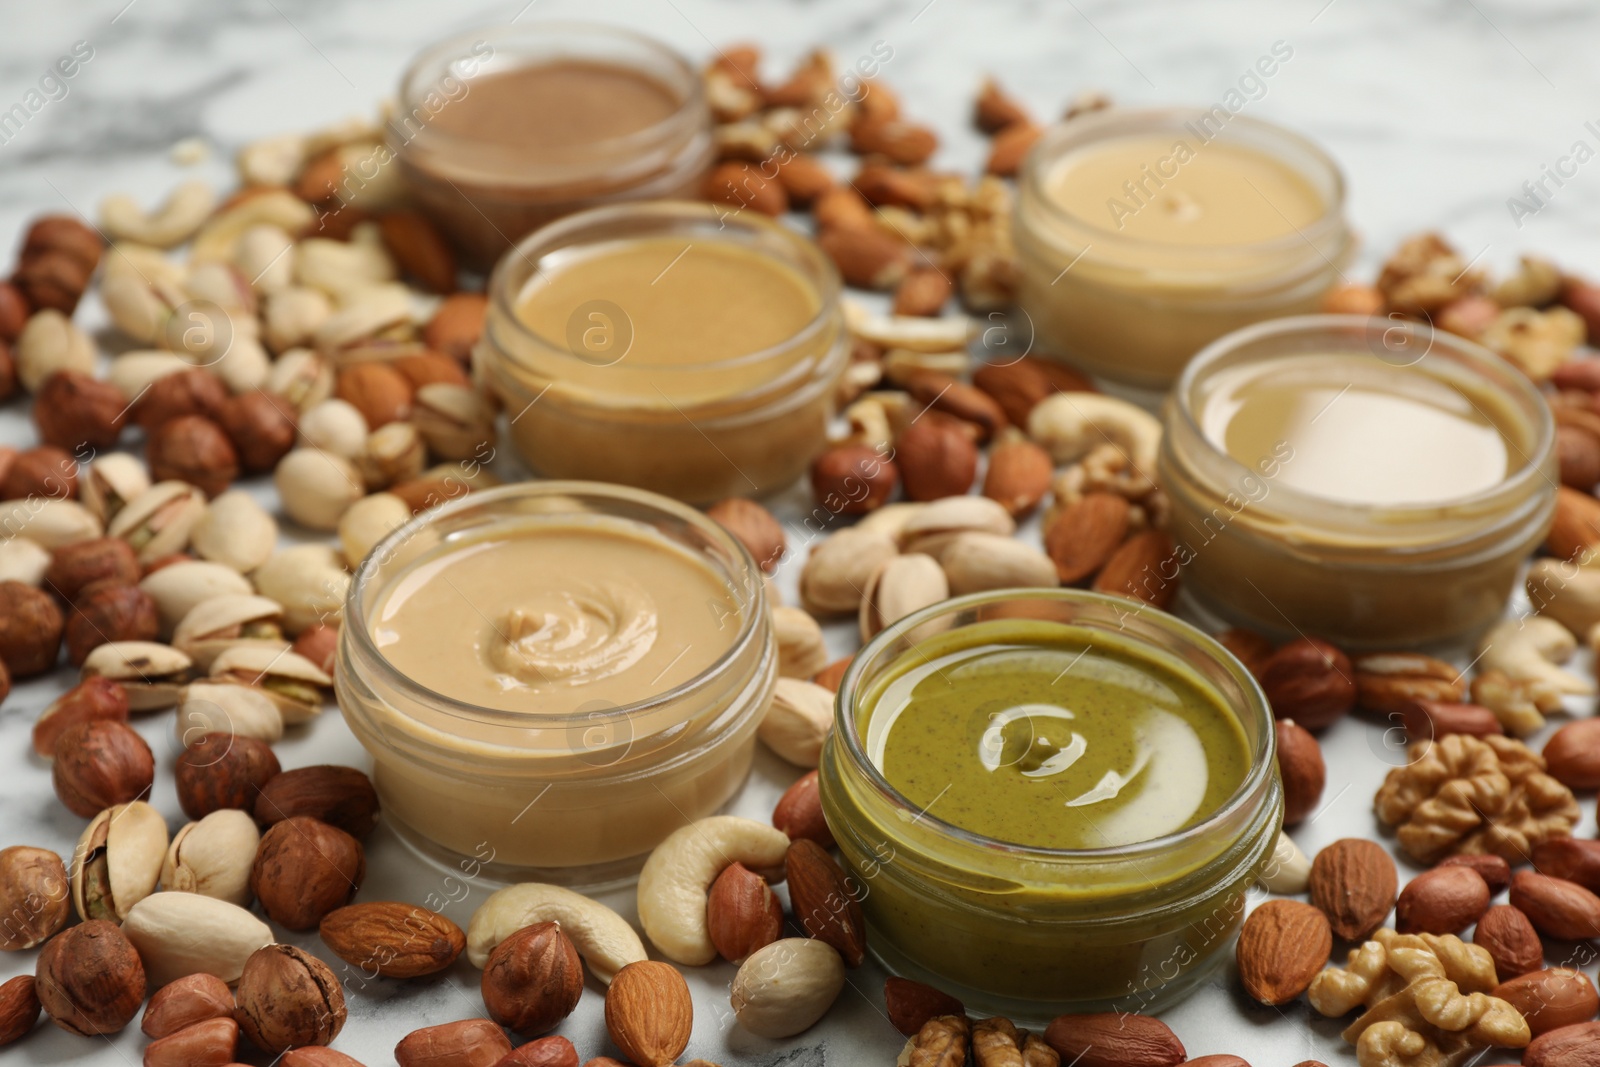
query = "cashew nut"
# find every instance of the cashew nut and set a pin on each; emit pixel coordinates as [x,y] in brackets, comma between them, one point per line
[797,721]
[677,877]
[278,207]
[173,223]
[602,937]
[911,332]
[1069,425]
[786,987]
[1287,871]
[1529,650]
[1570,595]
[272,160]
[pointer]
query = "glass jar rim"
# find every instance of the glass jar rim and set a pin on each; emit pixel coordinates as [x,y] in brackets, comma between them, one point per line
[355,623]
[1479,361]
[1263,761]
[692,101]
[666,212]
[1068,134]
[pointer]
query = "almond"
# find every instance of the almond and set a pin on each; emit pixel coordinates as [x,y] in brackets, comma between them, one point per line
[420,249]
[910,1004]
[1311,682]
[469,1043]
[392,939]
[1425,720]
[994,110]
[1283,946]
[1019,385]
[1572,755]
[740,185]
[936,459]
[804,177]
[867,256]
[1009,148]
[832,676]
[742,913]
[825,901]
[1557,908]
[882,184]
[1085,535]
[189,1000]
[926,290]
[378,391]
[19,1008]
[205,1044]
[905,143]
[1575,859]
[1551,999]
[1495,871]
[1302,769]
[1113,1039]
[1576,526]
[1570,1046]
[1355,883]
[1018,476]
[754,527]
[942,392]
[1444,900]
[1143,567]
[649,1014]
[841,208]
[799,811]
[1507,935]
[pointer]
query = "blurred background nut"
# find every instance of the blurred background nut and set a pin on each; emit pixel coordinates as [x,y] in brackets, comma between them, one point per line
[107,611]
[236,531]
[368,521]
[304,869]
[853,479]
[74,567]
[1309,681]
[73,410]
[30,629]
[310,582]
[23,560]
[336,795]
[319,646]
[429,368]
[35,897]
[193,449]
[89,979]
[222,771]
[192,391]
[393,453]
[287,998]
[457,325]
[315,487]
[179,586]
[335,426]
[65,235]
[50,343]
[533,980]
[109,482]
[754,527]
[92,699]
[262,428]
[53,280]
[99,764]
[43,471]
[377,390]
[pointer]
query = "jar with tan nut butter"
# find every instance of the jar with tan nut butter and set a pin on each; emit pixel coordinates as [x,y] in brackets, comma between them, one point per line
[1374,482]
[552,677]
[667,346]
[500,131]
[1145,235]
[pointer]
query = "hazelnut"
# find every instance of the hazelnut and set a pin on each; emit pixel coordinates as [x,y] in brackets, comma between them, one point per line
[35,896]
[262,428]
[457,325]
[8,367]
[52,280]
[320,645]
[101,764]
[108,611]
[14,311]
[193,449]
[75,410]
[222,770]
[5,682]
[30,629]
[1309,681]
[339,796]
[304,869]
[185,392]
[92,700]
[76,565]
[533,980]
[936,458]
[89,979]
[853,479]
[752,526]
[66,234]
[287,998]
[45,471]
[377,390]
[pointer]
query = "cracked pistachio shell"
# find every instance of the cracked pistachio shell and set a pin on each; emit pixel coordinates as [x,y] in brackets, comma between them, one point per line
[932,529]
[48,521]
[110,482]
[900,586]
[179,588]
[227,708]
[309,581]
[213,857]
[291,681]
[394,453]
[159,520]
[222,622]
[838,569]
[235,531]
[180,933]
[117,862]
[456,420]
[152,674]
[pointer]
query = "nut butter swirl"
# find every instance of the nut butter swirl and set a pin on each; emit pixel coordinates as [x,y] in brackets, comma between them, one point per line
[574,636]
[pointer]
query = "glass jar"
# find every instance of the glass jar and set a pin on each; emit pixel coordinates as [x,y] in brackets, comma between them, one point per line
[1032,932]
[488,191]
[1275,558]
[578,798]
[1133,311]
[696,431]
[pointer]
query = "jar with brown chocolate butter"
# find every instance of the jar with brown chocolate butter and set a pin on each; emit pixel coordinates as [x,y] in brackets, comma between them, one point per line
[500,131]
[1374,482]
[667,346]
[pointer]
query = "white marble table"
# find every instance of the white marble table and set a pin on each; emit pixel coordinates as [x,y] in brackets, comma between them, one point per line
[1438,112]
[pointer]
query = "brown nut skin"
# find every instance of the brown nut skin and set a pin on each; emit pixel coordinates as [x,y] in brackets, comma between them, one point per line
[91,700]
[1114,1039]
[799,811]
[1354,882]
[457,325]
[430,368]
[1495,872]
[1551,999]
[77,565]
[64,234]
[853,479]
[1309,681]
[73,410]
[1444,900]
[262,428]
[209,1043]
[649,1013]
[392,939]
[469,1043]
[319,644]
[101,764]
[223,770]
[533,980]
[48,471]
[19,1008]
[1302,769]
[339,796]
[910,1005]
[754,527]
[186,392]
[52,280]
[30,629]
[1572,754]
[316,1056]
[287,998]
[191,999]
[377,390]
[305,869]
[5,682]
[1507,935]
[193,449]
[14,312]
[89,979]
[108,611]
[1568,1046]
[742,913]
[544,1052]
[35,895]
[936,459]
[1557,908]
[1575,859]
